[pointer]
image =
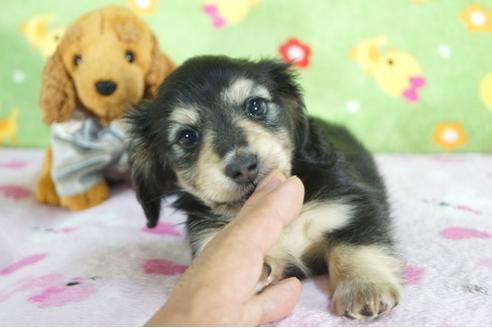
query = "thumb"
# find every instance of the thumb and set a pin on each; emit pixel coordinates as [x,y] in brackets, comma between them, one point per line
[274,303]
[261,220]
[266,186]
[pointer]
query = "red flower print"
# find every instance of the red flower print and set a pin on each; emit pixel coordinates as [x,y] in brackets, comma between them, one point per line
[295,52]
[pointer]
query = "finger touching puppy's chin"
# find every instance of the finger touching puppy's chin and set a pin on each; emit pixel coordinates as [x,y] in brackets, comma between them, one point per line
[218,190]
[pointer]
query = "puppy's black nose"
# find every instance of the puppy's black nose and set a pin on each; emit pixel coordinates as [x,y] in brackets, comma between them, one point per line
[105,88]
[243,168]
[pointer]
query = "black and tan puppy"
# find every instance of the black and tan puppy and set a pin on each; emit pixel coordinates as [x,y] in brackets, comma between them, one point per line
[218,126]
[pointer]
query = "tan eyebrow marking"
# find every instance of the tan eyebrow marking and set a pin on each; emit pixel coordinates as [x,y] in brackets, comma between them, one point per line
[242,89]
[184,116]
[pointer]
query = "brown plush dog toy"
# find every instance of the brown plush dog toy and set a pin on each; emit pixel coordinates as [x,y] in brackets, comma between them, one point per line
[107,61]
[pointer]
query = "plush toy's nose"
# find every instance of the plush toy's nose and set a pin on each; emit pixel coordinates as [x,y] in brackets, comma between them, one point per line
[105,88]
[243,169]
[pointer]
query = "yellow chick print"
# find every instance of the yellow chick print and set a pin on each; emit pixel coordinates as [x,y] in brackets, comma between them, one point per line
[224,12]
[486,90]
[397,73]
[8,127]
[36,32]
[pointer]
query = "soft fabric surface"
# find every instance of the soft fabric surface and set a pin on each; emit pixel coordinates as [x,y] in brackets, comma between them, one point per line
[102,267]
[423,65]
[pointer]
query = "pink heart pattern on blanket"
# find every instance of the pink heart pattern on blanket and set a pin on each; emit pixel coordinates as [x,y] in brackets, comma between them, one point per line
[76,290]
[15,192]
[457,233]
[163,267]
[52,290]
[412,274]
[486,262]
[163,228]
[15,165]
[22,263]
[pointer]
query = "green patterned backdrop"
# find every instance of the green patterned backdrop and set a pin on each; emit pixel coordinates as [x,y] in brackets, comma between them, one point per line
[404,75]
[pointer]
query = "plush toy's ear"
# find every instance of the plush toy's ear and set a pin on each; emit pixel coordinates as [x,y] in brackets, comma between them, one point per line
[160,67]
[151,175]
[57,96]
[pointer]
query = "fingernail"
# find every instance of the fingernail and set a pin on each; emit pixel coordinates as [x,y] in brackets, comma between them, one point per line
[293,179]
[271,182]
[288,281]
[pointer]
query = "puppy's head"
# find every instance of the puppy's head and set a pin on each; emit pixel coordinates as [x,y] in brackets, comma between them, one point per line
[216,128]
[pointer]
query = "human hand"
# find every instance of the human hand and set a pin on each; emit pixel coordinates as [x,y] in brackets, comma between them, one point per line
[219,287]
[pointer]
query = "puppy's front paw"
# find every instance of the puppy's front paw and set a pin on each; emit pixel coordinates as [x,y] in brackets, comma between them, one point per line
[362,300]
[365,280]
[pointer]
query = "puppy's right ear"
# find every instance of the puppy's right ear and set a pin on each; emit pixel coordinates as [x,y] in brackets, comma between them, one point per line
[57,96]
[151,175]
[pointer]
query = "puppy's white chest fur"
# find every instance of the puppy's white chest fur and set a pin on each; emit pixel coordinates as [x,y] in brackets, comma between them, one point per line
[316,219]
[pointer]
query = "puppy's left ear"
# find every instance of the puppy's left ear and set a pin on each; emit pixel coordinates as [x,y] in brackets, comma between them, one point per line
[160,67]
[152,177]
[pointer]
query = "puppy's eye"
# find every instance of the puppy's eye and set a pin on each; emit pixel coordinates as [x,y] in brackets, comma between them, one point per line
[188,137]
[77,59]
[129,56]
[256,107]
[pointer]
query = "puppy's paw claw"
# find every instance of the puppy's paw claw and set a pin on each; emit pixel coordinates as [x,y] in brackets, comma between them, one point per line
[364,301]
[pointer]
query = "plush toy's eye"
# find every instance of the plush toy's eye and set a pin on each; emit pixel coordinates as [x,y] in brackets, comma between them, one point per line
[256,107]
[129,56]
[188,137]
[77,59]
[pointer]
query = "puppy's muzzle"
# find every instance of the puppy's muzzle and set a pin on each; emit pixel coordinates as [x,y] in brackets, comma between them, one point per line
[243,168]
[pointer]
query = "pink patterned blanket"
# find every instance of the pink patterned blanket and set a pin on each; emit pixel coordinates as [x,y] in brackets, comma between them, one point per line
[103,267]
